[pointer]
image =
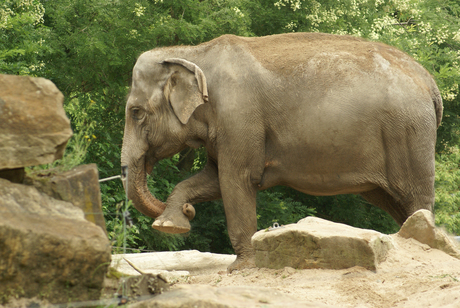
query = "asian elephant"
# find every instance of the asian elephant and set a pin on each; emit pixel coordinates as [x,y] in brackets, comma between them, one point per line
[323,114]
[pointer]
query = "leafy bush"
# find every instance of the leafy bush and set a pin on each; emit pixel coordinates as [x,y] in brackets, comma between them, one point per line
[22,34]
[447,203]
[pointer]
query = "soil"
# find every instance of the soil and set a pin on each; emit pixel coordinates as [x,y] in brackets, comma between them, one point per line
[413,275]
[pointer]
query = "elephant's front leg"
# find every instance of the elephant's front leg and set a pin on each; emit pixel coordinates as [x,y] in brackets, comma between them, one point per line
[239,196]
[201,187]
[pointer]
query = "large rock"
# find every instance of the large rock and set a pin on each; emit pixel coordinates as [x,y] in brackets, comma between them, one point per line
[318,243]
[420,226]
[34,129]
[48,249]
[224,297]
[80,186]
[22,199]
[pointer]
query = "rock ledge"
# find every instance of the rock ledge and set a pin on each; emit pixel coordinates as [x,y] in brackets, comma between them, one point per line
[318,243]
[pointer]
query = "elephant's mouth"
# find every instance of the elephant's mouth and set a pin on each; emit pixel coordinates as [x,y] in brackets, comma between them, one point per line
[149,164]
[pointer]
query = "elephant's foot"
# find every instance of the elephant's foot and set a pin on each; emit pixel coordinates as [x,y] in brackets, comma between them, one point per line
[241,262]
[170,222]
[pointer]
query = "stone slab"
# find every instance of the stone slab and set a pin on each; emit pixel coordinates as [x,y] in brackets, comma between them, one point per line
[80,186]
[173,263]
[22,199]
[318,243]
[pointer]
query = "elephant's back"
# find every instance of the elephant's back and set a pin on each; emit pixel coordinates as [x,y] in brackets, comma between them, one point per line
[286,53]
[294,54]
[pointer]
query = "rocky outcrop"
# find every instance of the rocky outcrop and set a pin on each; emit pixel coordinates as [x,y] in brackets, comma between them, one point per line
[225,297]
[47,247]
[420,226]
[318,243]
[34,129]
[22,199]
[80,186]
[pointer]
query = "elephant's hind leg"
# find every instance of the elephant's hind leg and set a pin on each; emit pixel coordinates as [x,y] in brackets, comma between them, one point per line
[399,208]
[379,197]
[406,181]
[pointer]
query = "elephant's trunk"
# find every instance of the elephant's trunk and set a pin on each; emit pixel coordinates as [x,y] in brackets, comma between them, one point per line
[138,191]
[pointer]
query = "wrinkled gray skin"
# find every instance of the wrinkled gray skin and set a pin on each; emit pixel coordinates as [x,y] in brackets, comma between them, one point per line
[323,114]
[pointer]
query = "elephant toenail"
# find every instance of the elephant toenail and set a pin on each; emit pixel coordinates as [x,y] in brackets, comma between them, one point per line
[188,211]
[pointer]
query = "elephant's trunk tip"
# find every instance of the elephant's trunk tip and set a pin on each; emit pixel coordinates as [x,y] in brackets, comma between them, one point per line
[135,184]
[124,175]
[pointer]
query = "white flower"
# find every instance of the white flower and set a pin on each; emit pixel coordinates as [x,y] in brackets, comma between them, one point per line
[139,10]
[456,36]
[133,33]
[238,12]
[290,26]
[293,4]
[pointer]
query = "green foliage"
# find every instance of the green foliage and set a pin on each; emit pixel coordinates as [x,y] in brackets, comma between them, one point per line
[447,203]
[209,229]
[349,209]
[120,233]
[22,36]
[274,206]
[355,211]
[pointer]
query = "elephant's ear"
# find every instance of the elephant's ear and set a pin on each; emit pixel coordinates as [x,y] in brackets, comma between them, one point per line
[184,97]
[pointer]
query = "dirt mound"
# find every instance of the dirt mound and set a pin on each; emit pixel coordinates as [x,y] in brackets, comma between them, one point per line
[413,275]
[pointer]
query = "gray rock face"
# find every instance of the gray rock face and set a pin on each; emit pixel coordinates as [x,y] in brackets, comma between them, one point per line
[420,226]
[21,199]
[224,297]
[80,186]
[318,243]
[47,248]
[34,129]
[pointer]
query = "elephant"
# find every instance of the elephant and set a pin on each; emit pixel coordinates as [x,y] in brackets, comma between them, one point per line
[324,114]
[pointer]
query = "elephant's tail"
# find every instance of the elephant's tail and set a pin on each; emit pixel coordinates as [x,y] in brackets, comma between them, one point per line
[437,101]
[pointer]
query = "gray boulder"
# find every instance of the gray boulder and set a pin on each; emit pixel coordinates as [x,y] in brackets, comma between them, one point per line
[318,243]
[80,186]
[421,227]
[21,199]
[48,249]
[34,129]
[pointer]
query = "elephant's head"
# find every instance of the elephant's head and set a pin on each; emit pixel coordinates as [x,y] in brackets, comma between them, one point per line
[163,97]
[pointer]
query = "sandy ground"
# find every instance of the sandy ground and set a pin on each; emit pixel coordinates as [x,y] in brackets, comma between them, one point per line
[413,275]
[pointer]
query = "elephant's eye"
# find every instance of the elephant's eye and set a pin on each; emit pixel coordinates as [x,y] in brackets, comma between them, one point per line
[137,114]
